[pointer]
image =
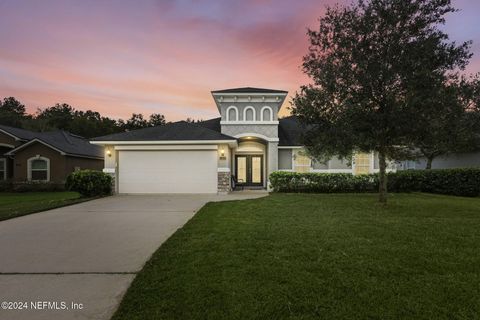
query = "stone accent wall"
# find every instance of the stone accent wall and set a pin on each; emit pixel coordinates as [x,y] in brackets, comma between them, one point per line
[224,182]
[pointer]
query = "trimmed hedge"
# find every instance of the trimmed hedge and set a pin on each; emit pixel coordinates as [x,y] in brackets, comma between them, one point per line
[458,182]
[89,183]
[322,182]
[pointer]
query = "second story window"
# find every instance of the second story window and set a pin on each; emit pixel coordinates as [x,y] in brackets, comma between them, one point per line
[232,113]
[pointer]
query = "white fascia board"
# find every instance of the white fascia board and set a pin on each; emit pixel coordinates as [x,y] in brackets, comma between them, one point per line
[248,122]
[32,141]
[290,147]
[163,142]
[168,147]
[12,135]
[249,94]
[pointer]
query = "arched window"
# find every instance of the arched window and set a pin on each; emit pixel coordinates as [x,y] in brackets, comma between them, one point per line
[249,114]
[266,114]
[38,169]
[232,113]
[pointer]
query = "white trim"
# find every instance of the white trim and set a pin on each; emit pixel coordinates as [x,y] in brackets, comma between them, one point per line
[223,170]
[29,167]
[33,141]
[168,147]
[245,114]
[4,160]
[271,114]
[227,113]
[290,147]
[7,145]
[249,94]
[248,122]
[256,135]
[332,170]
[108,170]
[164,142]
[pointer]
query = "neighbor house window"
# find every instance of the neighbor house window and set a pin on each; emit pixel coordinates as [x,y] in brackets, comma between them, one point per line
[39,169]
[3,169]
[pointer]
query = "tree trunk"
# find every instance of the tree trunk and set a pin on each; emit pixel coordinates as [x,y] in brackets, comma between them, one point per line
[382,187]
[429,163]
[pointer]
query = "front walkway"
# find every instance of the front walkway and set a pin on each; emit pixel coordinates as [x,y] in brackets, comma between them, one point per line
[88,253]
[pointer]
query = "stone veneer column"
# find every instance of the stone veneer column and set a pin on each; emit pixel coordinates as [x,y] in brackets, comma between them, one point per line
[224,179]
[272,160]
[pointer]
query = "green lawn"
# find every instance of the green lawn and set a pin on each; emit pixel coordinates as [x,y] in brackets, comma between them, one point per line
[337,256]
[19,204]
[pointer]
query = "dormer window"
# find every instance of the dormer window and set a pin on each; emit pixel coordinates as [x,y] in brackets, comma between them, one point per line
[249,114]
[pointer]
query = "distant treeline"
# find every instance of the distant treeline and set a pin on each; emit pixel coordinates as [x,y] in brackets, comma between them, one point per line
[62,116]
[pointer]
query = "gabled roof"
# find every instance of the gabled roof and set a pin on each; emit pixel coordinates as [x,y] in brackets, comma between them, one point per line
[176,131]
[249,90]
[17,133]
[65,143]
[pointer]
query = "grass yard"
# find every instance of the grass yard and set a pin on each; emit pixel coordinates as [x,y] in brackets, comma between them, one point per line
[334,256]
[19,204]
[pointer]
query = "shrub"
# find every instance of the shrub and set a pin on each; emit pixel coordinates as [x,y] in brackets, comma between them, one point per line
[89,183]
[458,182]
[6,186]
[322,182]
[37,186]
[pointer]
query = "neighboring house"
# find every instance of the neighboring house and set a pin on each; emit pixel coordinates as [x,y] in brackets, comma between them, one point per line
[47,157]
[454,160]
[247,141]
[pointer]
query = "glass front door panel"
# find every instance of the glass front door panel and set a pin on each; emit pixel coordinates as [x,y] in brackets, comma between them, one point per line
[256,170]
[242,169]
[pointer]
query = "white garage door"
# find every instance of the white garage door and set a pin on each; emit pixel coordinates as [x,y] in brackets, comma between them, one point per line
[167,171]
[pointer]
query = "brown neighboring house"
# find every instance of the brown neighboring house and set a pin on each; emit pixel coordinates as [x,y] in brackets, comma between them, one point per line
[45,156]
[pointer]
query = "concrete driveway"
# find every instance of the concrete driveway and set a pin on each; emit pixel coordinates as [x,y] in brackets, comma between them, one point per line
[76,262]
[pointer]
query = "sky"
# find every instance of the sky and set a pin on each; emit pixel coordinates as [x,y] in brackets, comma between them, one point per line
[164,56]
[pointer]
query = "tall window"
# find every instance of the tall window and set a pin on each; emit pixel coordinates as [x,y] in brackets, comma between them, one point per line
[39,169]
[3,169]
[232,113]
[249,114]
[267,114]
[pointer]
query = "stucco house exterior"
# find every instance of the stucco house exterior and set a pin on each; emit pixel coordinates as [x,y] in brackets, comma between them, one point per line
[27,156]
[248,142]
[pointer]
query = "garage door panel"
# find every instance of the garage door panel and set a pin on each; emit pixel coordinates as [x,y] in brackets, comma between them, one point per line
[168,171]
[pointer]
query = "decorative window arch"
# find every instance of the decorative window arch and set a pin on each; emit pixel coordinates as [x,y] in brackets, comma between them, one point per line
[228,113]
[270,114]
[254,118]
[38,169]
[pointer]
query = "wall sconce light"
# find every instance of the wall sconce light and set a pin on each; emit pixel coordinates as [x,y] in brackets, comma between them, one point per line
[222,152]
[109,153]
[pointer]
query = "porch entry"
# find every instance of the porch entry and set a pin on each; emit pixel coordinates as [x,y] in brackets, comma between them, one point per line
[249,170]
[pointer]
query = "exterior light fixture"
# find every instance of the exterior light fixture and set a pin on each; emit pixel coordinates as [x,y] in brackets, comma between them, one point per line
[222,153]
[109,153]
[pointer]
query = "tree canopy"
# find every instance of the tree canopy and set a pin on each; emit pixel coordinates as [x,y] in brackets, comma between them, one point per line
[373,65]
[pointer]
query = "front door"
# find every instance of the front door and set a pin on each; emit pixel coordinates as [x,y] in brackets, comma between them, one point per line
[249,170]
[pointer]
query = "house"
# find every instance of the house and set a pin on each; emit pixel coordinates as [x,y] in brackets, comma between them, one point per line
[248,141]
[45,157]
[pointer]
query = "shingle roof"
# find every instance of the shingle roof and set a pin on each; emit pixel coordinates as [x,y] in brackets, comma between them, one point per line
[71,144]
[249,90]
[66,142]
[19,133]
[176,131]
[212,124]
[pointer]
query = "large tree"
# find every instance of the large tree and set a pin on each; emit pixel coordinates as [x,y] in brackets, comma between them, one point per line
[370,63]
[12,112]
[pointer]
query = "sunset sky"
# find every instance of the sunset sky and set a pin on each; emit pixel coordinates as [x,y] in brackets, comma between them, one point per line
[119,57]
